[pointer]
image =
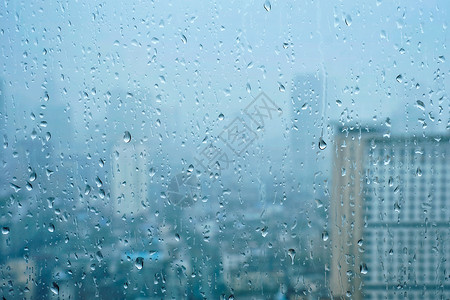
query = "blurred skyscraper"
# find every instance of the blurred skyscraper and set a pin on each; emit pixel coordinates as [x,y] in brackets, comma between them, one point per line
[307,97]
[129,184]
[388,216]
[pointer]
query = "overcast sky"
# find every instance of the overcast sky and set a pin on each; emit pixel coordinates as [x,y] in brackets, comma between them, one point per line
[199,59]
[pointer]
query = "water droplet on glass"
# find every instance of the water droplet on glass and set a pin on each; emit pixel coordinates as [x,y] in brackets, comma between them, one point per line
[325,236]
[177,237]
[319,203]
[396,207]
[32,177]
[391,181]
[291,253]
[87,189]
[360,242]
[348,20]
[99,182]
[29,186]
[54,288]
[399,78]
[5,230]
[15,187]
[363,269]
[127,137]
[183,39]
[322,144]
[33,134]
[48,136]
[51,228]
[418,172]
[221,117]
[420,105]
[267,6]
[264,231]
[139,263]
[190,169]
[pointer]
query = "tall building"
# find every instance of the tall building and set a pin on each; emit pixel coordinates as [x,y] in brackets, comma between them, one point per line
[389,220]
[129,182]
[346,213]
[307,96]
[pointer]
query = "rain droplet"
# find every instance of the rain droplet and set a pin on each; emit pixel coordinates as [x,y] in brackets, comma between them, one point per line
[419,172]
[348,20]
[127,137]
[399,78]
[183,39]
[322,144]
[221,117]
[5,230]
[33,134]
[190,169]
[325,236]
[139,263]
[87,190]
[48,136]
[99,255]
[291,253]
[420,105]
[99,182]
[391,181]
[32,177]
[54,288]
[363,269]
[264,231]
[267,6]
[51,228]
[15,187]
[177,237]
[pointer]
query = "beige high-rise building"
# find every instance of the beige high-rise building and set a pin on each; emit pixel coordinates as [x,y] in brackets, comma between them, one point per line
[346,214]
[389,217]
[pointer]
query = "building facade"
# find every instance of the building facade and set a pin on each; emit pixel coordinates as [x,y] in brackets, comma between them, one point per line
[389,219]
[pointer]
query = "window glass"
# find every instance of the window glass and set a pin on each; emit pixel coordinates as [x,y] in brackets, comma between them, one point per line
[224,150]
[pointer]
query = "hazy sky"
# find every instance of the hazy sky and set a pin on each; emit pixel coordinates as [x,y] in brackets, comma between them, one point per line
[199,59]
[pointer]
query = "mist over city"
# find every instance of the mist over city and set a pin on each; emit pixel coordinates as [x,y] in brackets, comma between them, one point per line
[224,150]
